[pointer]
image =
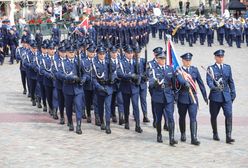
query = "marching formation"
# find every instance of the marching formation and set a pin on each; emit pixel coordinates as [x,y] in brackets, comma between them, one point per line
[80,76]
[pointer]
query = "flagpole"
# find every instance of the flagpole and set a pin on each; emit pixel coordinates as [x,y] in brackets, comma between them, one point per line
[180,68]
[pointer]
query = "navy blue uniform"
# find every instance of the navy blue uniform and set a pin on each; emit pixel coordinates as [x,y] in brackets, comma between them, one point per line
[222,94]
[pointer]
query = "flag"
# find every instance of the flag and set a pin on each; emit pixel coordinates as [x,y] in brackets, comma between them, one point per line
[172,61]
[84,23]
[223,7]
[171,56]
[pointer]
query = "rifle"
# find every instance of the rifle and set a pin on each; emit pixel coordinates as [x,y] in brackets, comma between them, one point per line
[110,73]
[145,68]
[79,73]
[137,69]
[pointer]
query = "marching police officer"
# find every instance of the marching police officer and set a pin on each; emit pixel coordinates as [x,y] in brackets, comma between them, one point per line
[89,89]
[73,88]
[187,77]
[222,94]
[29,63]
[58,59]
[116,96]
[162,80]
[103,81]
[141,70]
[129,87]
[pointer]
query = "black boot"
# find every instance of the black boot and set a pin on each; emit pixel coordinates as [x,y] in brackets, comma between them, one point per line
[159,135]
[138,128]
[215,132]
[24,91]
[146,119]
[193,129]
[44,108]
[121,119]
[103,127]
[50,112]
[228,123]
[97,120]
[33,102]
[127,125]
[71,127]
[55,114]
[159,138]
[62,121]
[108,130]
[182,129]
[78,128]
[39,102]
[171,127]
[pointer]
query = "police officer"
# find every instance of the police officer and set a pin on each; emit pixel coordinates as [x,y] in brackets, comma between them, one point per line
[40,76]
[103,81]
[89,89]
[46,70]
[162,79]
[20,56]
[116,96]
[58,59]
[73,88]
[29,63]
[56,34]
[222,94]
[129,87]
[189,74]
[141,70]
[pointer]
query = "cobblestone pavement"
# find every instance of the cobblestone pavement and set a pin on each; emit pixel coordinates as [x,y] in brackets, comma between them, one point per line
[30,138]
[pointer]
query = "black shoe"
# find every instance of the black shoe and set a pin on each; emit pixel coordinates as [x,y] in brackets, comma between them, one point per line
[114,119]
[88,119]
[24,91]
[39,105]
[138,129]
[228,123]
[121,119]
[97,121]
[55,115]
[108,130]
[193,130]
[78,128]
[146,119]
[171,127]
[154,124]
[50,111]
[71,127]
[62,121]
[159,139]
[127,126]
[183,137]
[33,103]
[216,137]
[45,109]
[103,127]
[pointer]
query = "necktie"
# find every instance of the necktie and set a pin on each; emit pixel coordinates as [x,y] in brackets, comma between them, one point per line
[221,69]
